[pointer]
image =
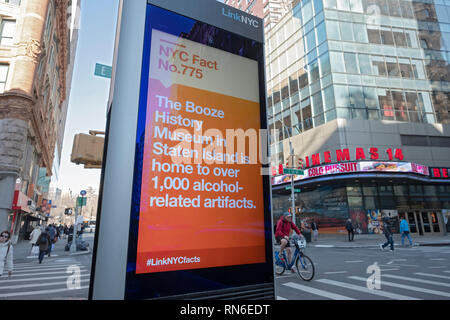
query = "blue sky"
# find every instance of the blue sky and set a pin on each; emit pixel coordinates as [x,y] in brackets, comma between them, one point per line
[89,94]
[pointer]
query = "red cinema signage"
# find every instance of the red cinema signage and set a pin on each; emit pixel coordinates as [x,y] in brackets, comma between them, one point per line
[345,155]
[440,173]
[359,154]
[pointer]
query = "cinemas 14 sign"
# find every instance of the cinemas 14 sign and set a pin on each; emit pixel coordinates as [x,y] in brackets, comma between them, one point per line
[344,155]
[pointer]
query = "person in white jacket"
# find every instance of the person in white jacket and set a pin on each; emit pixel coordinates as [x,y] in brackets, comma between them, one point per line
[6,253]
[34,236]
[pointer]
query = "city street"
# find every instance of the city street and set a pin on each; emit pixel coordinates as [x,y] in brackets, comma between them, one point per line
[341,274]
[54,279]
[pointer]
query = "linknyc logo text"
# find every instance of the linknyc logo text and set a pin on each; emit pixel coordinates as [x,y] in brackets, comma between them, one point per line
[238,17]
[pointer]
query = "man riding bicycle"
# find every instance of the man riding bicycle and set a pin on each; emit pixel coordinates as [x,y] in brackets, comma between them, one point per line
[282,232]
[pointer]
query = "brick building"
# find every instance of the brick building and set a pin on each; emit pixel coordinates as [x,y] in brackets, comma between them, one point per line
[36,61]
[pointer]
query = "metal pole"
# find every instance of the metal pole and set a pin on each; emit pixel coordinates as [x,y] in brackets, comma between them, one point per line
[292,182]
[73,247]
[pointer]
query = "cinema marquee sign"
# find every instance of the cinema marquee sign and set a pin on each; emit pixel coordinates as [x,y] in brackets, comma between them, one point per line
[345,155]
[440,173]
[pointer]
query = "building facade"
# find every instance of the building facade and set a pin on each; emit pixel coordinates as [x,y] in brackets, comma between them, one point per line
[35,59]
[361,89]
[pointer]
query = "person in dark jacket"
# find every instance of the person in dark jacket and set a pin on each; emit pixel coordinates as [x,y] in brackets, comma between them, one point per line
[43,242]
[387,231]
[350,230]
[282,233]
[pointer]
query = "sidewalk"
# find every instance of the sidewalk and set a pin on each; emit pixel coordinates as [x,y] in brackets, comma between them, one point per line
[373,240]
[22,250]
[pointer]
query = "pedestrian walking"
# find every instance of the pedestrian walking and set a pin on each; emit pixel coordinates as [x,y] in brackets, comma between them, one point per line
[387,231]
[350,230]
[6,253]
[315,229]
[44,242]
[34,236]
[404,231]
[52,233]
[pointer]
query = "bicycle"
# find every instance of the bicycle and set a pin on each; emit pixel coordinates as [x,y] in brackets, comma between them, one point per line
[303,263]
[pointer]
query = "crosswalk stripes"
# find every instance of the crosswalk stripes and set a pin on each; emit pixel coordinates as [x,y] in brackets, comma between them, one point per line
[416,280]
[408,287]
[318,292]
[30,279]
[366,290]
[431,275]
[345,289]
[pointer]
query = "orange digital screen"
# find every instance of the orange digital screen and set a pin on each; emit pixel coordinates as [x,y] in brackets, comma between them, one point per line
[202,190]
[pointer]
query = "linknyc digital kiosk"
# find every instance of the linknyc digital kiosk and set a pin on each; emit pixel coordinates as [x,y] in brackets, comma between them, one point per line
[184,209]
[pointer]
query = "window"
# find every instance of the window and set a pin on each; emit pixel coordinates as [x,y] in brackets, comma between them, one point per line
[325,67]
[307,115]
[405,68]
[337,61]
[360,32]
[418,69]
[7,31]
[392,67]
[399,38]
[356,97]
[341,95]
[333,30]
[328,95]
[379,67]
[356,6]
[350,63]
[374,36]
[346,31]
[386,37]
[343,5]
[317,103]
[3,76]
[370,98]
[14,2]
[364,64]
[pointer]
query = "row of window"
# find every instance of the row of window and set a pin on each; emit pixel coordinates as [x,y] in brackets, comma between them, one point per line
[421,11]
[356,102]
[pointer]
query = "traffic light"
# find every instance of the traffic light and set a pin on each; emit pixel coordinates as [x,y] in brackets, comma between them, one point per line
[68,211]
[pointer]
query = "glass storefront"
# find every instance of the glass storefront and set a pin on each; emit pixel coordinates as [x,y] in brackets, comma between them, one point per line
[425,206]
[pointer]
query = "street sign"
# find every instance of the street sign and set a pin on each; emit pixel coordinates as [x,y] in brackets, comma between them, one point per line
[295,190]
[83,193]
[293,171]
[81,201]
[102,70]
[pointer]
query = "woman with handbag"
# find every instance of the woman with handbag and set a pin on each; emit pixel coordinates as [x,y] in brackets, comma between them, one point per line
[34,236]
[6,253]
